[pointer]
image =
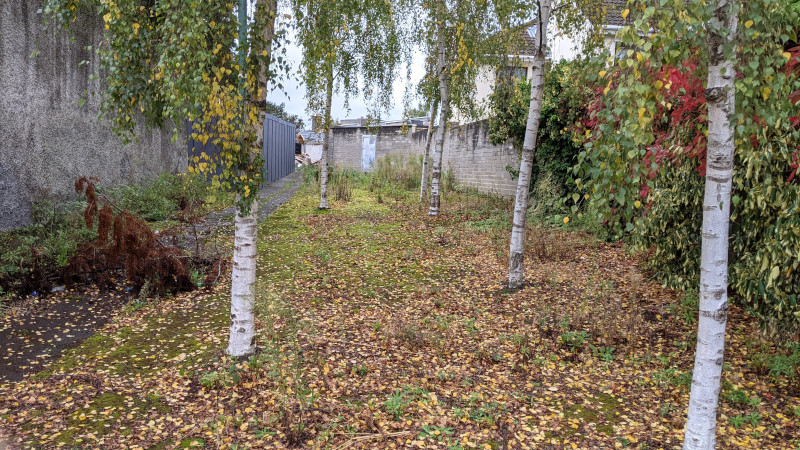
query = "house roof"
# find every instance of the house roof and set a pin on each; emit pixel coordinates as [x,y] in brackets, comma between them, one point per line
[310,137]
[528,46]
[614,10]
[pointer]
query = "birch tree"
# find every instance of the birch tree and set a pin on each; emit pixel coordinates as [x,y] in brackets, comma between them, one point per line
[656,118]
[164,65]
[572,15]
[720,94]
[516,275]
[423,186]
[344,43]
[462,36]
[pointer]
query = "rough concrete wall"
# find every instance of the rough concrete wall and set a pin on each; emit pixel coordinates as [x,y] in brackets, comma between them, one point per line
[474,160]
[345,146]
[46,139]
[478,163]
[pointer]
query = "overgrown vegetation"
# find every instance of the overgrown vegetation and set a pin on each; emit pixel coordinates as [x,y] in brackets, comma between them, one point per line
[644,162]
[33,259]
[372,336]
[564,104]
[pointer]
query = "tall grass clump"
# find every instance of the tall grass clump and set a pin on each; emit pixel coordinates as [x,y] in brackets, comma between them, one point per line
[396,176]
[162,197]
[342,181]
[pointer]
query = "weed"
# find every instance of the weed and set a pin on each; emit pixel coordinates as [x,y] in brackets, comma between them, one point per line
[397,402]
[574,339]
[604,353]
[666,409]
[361,369]
[217,379]
[413,336]
[740,397]
[436,433]
[784,366]
[687,309]
[469,324]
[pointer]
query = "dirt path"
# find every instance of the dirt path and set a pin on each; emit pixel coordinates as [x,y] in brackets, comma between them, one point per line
[38,333]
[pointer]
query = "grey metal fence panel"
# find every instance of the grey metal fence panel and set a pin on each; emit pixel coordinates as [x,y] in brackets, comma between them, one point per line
[277,150]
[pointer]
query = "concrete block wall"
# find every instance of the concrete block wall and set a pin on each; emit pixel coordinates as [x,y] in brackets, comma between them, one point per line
[478,163]
[473,159]
[46,139]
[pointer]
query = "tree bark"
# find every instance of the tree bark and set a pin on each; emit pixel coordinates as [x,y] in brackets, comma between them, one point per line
[242,341]
[720,97]
[323,164]
[516,273]
[444,116]
[423,186]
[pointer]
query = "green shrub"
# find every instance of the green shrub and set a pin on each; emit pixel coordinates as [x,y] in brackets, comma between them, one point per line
[162,197]
[44,246]
[564,103]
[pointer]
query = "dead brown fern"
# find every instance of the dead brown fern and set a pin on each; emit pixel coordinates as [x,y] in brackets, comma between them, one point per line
[130,245]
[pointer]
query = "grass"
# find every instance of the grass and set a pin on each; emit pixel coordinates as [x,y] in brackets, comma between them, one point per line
[380,326]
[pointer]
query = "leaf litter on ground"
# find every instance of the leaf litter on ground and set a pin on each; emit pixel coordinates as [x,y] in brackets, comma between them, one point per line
[380,327]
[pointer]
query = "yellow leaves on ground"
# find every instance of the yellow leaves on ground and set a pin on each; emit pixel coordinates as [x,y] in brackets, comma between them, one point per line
[383,328]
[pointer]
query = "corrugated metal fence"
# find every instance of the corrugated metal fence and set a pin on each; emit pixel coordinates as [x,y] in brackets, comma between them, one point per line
[279,139]
[278,148]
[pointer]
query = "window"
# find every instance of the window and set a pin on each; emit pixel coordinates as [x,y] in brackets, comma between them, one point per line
[515,73]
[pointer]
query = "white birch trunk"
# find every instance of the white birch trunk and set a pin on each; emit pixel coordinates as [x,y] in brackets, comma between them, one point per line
[720,96]
[423,186]
[516,273]
[242,341]
[326,141]
[441,130]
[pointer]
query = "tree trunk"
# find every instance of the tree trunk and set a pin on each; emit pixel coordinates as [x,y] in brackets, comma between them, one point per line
[242,340]
[720,96]
[323,164]
[516,273]
[423,186]
[441,130]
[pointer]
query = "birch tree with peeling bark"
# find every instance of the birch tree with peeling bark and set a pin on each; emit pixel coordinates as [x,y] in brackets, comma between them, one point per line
[571,15]
[423,186]
[516,274]
[344,43]
[720,95]
[462,36]
[167,64]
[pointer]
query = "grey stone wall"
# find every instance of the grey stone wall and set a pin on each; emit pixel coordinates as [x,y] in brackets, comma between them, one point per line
[46,139]
[468,153]
[478,163]
[345,149]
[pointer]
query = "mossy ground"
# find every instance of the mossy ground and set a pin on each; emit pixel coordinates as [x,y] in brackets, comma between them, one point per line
[382,327]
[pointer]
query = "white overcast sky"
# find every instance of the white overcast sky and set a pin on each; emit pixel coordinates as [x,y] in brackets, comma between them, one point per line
[294,92]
